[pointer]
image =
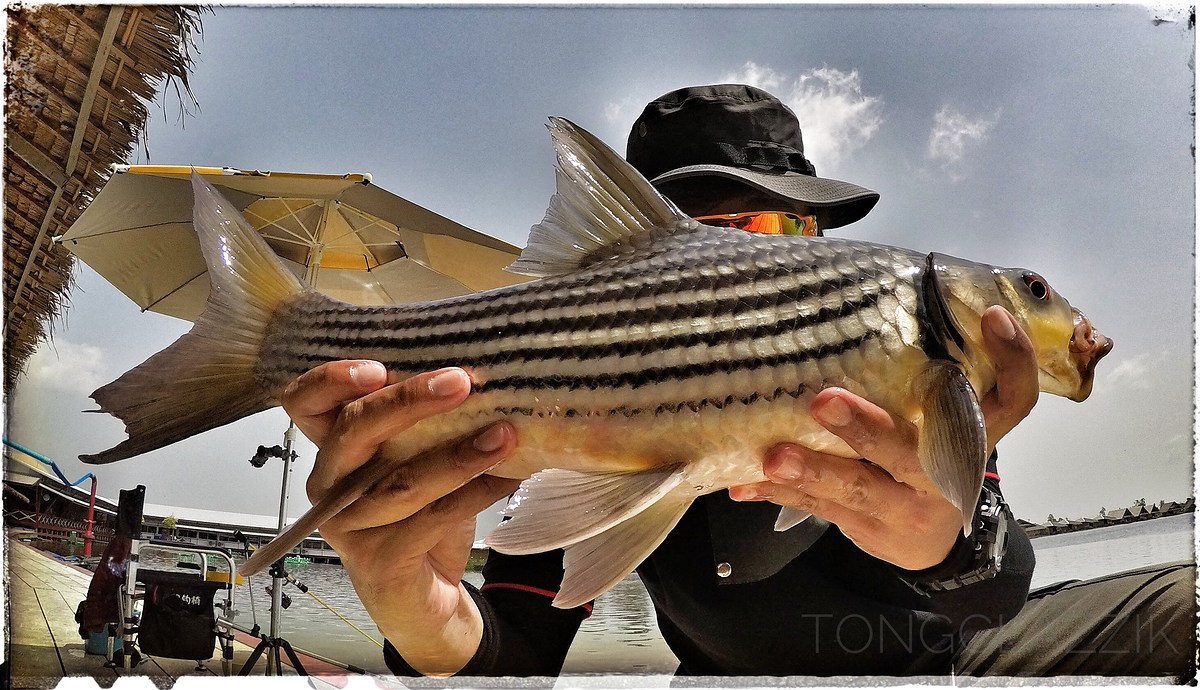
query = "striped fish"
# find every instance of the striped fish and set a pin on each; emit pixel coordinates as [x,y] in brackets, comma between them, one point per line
[654,361]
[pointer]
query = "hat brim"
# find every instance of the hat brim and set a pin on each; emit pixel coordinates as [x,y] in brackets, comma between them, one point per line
[835,203]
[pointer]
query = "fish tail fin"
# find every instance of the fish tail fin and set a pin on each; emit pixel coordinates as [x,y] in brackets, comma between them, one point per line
[608,522]
[600,200]
[952,444]
[208,377]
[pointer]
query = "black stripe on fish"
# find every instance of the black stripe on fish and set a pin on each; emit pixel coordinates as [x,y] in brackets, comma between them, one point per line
[663,375]
[616,286]
[664,408]
[590,322]
[633,379]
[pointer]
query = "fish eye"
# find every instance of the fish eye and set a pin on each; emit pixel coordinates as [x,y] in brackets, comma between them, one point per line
[1037,286]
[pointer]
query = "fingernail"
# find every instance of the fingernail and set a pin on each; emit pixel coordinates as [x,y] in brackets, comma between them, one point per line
[491,439]
[1002,325]
[447,383]
[367,373]
[743,493]
[788,465]
[835,412]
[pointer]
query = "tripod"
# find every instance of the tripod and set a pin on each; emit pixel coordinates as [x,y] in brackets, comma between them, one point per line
[272,643]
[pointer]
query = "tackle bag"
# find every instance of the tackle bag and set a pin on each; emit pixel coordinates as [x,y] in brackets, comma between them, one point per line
[178,620]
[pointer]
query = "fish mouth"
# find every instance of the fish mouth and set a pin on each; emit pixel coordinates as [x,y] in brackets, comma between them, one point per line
[1088,346]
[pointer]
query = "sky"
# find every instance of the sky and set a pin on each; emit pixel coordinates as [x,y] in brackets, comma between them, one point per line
[1058,139]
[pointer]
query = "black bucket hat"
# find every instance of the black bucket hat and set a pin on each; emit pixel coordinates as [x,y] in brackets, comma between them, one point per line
[741,133]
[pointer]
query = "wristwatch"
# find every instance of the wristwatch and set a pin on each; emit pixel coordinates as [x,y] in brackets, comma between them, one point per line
[991,541]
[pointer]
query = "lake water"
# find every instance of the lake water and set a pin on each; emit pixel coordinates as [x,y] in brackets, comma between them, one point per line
[622,633]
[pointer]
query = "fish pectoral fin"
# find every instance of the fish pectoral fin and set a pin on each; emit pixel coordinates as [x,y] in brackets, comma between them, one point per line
[592,566]
[952,446]
[789,517]
[556,508]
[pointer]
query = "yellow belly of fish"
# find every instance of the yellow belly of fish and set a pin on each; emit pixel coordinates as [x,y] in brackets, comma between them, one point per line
[718,447]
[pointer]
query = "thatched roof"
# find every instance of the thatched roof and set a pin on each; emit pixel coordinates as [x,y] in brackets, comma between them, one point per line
[79,79]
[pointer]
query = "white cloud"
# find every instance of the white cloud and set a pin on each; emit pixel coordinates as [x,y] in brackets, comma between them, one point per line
[954,134]
[67,366]
[836,117]
[1134,372]
[618,112]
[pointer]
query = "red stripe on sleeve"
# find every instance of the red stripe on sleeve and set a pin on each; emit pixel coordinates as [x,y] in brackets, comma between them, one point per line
[993,475]
[530,589]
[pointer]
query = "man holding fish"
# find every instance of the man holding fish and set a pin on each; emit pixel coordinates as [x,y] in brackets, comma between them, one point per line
[897,587]
[683,399]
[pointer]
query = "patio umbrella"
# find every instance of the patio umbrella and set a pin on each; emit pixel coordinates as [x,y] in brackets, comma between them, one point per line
[339,233]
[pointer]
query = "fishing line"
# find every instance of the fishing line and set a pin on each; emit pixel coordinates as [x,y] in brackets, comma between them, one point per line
[304,588]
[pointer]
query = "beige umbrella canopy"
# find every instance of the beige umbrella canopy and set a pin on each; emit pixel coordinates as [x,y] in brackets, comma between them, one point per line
[346,237]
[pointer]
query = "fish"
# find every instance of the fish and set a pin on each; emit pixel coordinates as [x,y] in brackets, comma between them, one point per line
[653,360]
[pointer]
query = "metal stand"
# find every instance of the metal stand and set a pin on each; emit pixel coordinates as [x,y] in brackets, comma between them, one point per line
[272,643]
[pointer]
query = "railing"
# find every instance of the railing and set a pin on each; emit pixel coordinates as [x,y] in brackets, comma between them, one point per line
[58,529]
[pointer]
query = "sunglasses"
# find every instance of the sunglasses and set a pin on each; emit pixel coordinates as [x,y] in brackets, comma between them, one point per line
[767,222]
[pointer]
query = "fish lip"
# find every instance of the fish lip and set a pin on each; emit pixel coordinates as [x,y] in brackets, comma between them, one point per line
[1087,347]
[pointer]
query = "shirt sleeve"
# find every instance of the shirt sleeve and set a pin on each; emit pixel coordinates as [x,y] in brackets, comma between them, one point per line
[992,602]
[523,635]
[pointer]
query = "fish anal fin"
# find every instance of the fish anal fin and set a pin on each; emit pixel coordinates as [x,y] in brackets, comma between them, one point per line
[592,566]
[556,508]
[952,445]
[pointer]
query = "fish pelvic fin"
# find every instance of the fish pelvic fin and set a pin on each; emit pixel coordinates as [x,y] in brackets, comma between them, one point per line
[593,566]
[607,522]
[601,203]
[952,445]
[789,517]
[207,378]
[556,508]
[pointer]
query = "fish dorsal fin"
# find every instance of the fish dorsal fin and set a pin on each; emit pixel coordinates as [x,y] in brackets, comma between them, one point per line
[600,203]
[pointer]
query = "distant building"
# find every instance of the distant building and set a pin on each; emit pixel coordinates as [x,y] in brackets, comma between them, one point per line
[38,503]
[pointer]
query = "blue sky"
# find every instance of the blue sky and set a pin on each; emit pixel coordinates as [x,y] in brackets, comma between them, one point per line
[1059,139]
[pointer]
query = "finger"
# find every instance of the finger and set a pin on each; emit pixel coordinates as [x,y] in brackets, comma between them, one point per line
[850,522]
[852,484]
[366,422]
[327,386]
[425,529]
[873,433]
[1012,355]
[314,398]
[427,477]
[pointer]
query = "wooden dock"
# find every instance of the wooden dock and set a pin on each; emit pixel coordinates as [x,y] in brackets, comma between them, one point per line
[44,646]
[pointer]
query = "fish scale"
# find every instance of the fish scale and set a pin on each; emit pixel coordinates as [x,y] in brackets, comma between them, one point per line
[701,324]
[656,359]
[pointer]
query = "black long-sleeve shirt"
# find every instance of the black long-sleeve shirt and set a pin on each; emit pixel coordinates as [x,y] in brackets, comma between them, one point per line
[734,597]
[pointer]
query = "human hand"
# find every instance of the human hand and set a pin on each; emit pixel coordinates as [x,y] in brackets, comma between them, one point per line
[405,542]
[888,506]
